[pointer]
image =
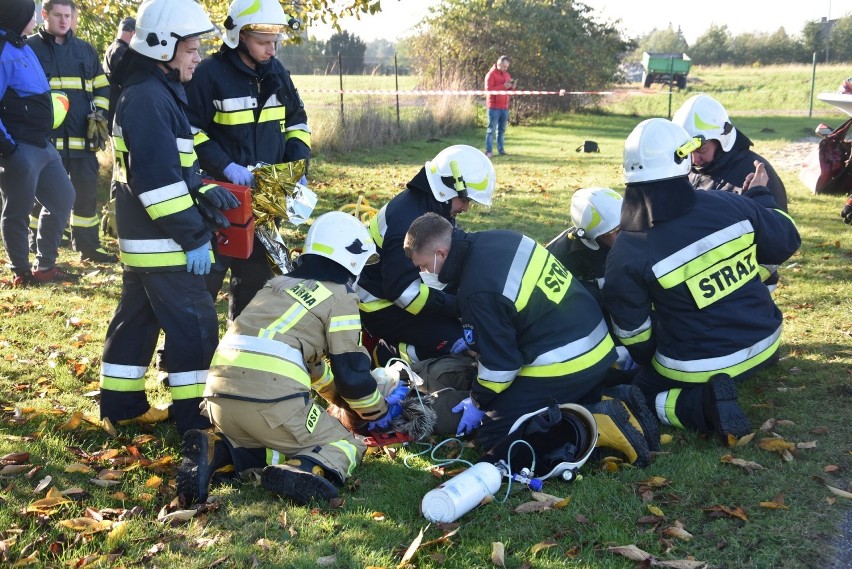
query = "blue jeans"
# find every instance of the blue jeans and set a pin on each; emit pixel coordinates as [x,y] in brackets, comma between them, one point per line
[497,120]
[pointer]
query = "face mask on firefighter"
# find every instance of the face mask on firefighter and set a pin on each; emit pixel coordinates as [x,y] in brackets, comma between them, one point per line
[430,279]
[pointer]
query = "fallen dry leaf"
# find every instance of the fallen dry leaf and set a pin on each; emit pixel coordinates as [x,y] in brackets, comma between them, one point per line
[631,552]
[79,467]
[807,445]
[655,482]
[86,525]
[498,554]
[677,531]
[528,507]
[656,511]
[666,438]
[775,445]
[541,546]
[831,468]
[720,510]
[839,492]
[743,441]
[747,464]
[42,485]
[11,469]
[412,549]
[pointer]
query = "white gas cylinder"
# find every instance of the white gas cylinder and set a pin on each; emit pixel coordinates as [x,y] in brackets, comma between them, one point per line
[459,495]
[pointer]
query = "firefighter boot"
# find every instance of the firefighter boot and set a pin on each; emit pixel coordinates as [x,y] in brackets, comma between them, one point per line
[722,411]
[643,418]
[300,479]
[151,416]
[615,431]
[204,453]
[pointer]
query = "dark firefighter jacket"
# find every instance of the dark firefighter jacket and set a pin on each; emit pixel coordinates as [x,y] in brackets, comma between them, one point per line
[699,272]
[244,115]
[156,169]
[523,313]
[395,279]
[74,68]
[730,169]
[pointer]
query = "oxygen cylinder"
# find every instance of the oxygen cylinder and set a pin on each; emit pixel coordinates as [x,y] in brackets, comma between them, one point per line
[456,497]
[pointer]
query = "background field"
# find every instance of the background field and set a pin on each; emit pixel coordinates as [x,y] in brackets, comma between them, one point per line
[51,341]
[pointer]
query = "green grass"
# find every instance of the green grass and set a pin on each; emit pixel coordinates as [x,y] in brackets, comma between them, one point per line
[52,338]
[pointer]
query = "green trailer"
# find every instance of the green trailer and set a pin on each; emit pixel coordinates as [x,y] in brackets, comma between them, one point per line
[665,68]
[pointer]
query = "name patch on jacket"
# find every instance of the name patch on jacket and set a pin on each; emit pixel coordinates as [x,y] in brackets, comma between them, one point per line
[555,280]
[724,277]
[309,295]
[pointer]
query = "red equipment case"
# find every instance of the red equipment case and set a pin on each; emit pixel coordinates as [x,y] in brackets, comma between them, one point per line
[238,240]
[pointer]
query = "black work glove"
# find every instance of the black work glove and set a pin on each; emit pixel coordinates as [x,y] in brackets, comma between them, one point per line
[846,212]
[221,198]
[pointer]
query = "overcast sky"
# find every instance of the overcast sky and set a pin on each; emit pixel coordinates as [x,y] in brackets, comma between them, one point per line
[637,16]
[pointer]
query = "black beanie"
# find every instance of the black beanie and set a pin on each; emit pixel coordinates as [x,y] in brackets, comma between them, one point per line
[16,14]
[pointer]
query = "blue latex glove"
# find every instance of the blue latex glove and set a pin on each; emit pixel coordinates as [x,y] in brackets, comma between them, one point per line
[394,401]
[304,181]
[198,260]
[239,175]
[471,417]
[221,198]
[459,346]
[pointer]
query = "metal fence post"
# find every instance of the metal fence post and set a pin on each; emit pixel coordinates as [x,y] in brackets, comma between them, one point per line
[396,78]
[340,75]
[813,80]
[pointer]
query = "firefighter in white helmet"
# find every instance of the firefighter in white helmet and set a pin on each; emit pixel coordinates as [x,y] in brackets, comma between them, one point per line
[691,260]
[165,243]
[407,309]
[583,248]
[300,333]
[725,159]
[245,110]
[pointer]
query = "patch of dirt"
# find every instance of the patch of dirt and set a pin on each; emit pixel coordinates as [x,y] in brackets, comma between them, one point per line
[793,155]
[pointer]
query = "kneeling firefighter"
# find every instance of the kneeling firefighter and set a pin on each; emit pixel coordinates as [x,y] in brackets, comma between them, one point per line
[258,392]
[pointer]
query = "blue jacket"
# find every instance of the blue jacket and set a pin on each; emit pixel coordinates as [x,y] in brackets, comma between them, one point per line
[26,111]
[395,279]
[156,169]
[525,314]
[700,275]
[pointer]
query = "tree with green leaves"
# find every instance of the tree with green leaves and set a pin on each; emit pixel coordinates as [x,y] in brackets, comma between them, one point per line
[351,51]
[553,44]
[99,18]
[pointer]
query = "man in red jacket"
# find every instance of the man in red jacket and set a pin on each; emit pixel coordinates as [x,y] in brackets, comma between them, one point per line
[497,79]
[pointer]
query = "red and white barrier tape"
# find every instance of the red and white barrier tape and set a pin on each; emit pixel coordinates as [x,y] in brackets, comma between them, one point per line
[440,93]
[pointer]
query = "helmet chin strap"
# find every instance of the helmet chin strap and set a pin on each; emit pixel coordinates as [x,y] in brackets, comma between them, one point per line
[243,48]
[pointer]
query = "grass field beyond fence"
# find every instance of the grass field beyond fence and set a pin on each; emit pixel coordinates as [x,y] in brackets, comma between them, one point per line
[766,504]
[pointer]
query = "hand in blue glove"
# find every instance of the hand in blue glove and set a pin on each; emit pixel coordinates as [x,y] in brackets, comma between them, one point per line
[394,401]
[239,175]
[459,346]
[221,198]
[471,417]
[398,394]
[304,181]
[198,260]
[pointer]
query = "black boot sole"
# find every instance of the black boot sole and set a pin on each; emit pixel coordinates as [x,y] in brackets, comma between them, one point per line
[727,415]
[301,487]
[635,400]
[194,471]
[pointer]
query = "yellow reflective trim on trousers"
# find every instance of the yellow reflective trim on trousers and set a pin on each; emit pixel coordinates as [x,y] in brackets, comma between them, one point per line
[274,457]
[365,402]
[351,453]
[271,114]
[374,305]
[262,363]
[671,401]
[638,338]
[122,384]
[231,119]
[118,144]
[300,134]
[168,207]
[704,376]
[574,365]
[194,391]
[419,301]
[148,260]
[200,138]
[706,260]
[80,221]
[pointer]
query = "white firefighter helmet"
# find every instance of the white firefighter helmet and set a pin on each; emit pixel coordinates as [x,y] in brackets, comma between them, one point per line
[702,115]
[657,149]
[259,16]
[161,24]
[461,170]
[343,239]
[563,437]
[595,212]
